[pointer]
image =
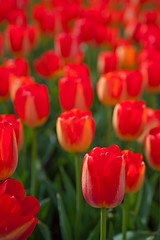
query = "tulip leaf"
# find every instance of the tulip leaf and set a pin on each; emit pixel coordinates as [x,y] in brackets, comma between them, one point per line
[158,233]
[64,222]
[45,231]
[139,235]
[94,235]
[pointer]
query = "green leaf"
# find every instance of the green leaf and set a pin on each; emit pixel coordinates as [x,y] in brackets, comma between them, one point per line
[64,222]
[94,235]
[132,235]
[158,233]
[45,231]
[44,206]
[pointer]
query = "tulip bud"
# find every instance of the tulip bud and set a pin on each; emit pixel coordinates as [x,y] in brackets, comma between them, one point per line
[32,104]
[75,130]
[17,125]
[152,149]
[75,92]
[8,150]
[135,169]
[103,177]
[48,65]
[18,213]
[128,119]
[110,89]
[107,62]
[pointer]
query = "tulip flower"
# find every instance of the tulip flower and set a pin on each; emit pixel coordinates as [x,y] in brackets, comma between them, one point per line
[152,121]
[75,130]
[127,56]
[17,125]
[76,71]
[110,89]
[48,65]
[18,213]
[151,147]
[128,119]
[135,168]
[151,71]
[67,47]
[4,82]
[21,39]
[103,180]
[32,104]
[8,150]
[18,66]
[16,82]
[75,92]
[107,62]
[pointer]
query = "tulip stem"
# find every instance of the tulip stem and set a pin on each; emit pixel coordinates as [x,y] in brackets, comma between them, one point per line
[103,223]
[78,195]
[33,163]
[125,213]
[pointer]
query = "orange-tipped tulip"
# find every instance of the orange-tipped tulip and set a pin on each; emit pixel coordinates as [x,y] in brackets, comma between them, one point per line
[75,130]
[135,170]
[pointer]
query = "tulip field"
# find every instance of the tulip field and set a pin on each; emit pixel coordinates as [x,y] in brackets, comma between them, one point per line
[80,119]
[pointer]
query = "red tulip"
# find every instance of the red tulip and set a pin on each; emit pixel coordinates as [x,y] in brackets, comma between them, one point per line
[128,119]
[107,62]
[67,46]
[48,65]
[151,147]
[17,125]
[16,82]
[76,71]
[152,121]
[8,150]
[75,92]
[151,71]
[18,218]
[31,104]
[110,89]
[21,39]
[18,66]
[103,177]
[83,28]
[135,169]
[75,130]
[17,17]
[1,45]
[4,82]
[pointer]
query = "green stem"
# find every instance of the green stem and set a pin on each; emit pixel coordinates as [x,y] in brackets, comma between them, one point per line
[109,125]
[139,201]
[103,224]
[125,213]
[33,163]
[78,195]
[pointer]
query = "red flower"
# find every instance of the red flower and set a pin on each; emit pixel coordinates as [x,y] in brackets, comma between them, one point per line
[151,71]
[16,82]
[67,46]
[48,65]
[21,39]
[18,66]
[31,104]
[152,149]
[128,119]
[4,82]
[107,62]
[8,150]
[110,89]
[135,169]
[103,177]
[17,125]
[75,92]
[75,130]
[152,121]
[76,70]
[18,218]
